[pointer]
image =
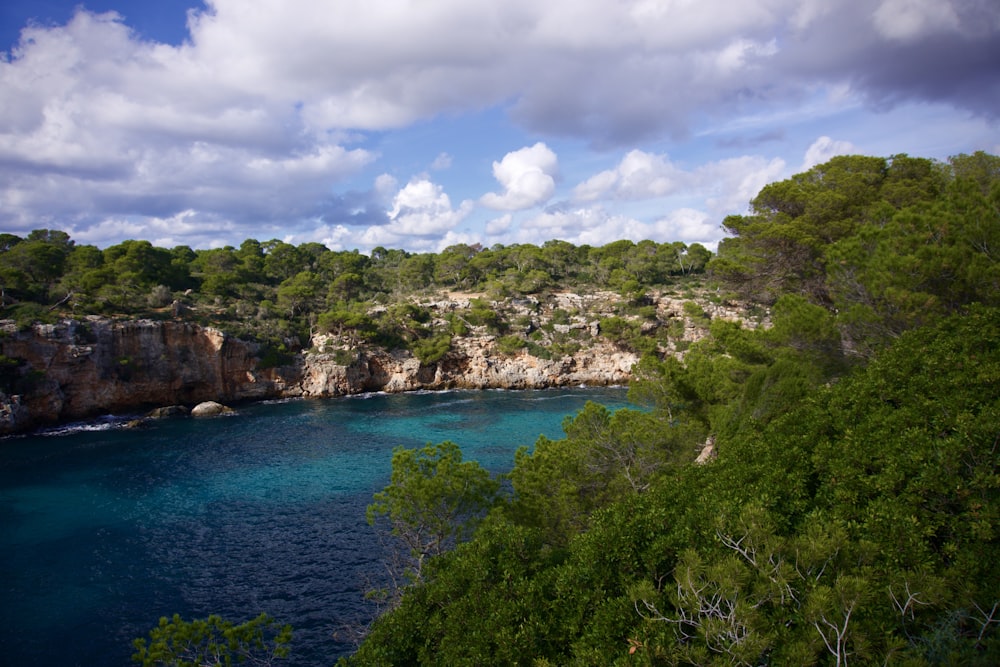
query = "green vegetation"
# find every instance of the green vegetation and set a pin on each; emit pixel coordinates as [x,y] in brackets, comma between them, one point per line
[850,514]
[280,294]
[213,642]
[845,500]
[433,501]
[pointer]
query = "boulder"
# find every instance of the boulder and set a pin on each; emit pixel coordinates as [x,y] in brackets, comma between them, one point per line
[210,409]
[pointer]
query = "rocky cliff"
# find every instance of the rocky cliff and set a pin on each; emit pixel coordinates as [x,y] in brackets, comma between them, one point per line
[77,369]
[81,368]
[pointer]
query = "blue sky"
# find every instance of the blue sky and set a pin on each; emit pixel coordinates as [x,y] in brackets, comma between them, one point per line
[417,125]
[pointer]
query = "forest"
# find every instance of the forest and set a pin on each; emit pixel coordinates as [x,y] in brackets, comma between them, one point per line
[281,295]
[850,510]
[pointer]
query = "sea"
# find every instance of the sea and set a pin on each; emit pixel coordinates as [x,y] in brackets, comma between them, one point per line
[106,529]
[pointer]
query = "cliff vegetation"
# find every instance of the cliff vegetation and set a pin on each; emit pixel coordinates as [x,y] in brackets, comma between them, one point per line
[134,326]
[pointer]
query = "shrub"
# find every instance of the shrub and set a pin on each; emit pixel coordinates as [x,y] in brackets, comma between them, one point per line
[430,350]
[510,345]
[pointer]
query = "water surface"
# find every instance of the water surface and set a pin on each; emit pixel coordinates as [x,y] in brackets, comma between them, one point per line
[104,530]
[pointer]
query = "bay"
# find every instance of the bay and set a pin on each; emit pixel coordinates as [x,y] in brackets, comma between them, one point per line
[105,530]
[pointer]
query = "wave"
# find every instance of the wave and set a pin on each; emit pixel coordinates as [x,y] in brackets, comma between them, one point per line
[102,423]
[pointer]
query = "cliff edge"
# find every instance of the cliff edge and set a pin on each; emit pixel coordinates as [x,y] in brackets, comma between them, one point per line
[77,369]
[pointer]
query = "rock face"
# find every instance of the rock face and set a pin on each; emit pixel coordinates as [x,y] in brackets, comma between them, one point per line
[473,363]
[81,368]
[77,369]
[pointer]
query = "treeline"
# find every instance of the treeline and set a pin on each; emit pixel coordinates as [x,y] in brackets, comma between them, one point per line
[851,513]
[276,291]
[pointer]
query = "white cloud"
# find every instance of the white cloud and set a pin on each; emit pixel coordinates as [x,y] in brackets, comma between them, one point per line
[334,237]
[728,185]
[499,226]
[442,161]
[825,148]
[527,176]
[420,210]
[595,226]
[724,186]
[262,116]
[639,175]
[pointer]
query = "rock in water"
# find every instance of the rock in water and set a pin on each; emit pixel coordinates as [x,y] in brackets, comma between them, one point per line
[210,409]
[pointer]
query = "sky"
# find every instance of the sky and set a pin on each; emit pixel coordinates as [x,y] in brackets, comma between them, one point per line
[420,124]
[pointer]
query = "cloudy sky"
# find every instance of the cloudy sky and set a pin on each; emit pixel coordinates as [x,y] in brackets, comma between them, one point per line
[418,124]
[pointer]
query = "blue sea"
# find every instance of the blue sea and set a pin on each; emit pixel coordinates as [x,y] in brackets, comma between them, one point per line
[106,529]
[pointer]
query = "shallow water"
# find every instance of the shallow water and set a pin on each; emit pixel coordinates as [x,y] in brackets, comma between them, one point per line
[104,530]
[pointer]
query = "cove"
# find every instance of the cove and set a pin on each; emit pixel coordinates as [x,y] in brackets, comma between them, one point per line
[105,530]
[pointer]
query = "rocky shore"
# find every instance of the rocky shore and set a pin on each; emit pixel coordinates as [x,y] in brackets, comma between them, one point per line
[77,369]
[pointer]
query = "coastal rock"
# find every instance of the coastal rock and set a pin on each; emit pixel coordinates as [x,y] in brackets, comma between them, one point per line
[13,414]
[80,368]
[472,363]
[210,409]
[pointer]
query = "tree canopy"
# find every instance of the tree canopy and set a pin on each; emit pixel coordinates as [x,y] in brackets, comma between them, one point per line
[850,512]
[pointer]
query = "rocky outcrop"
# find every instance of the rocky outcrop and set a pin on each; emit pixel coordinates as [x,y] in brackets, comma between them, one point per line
[210,409]
[473,363]
[76,369]
[82,368]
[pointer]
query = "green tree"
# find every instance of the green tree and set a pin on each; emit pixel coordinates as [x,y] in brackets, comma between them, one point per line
[282,261]
[251,261]
[430,350]
[31,268]
[218,270]
[417,271]
[433,501]
[300,293]
[348,320]
[213,642]
[451,265]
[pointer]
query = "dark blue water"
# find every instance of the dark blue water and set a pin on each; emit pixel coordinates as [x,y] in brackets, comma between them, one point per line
[105,531]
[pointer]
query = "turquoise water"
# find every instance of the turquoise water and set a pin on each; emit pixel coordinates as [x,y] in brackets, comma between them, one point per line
[106,530]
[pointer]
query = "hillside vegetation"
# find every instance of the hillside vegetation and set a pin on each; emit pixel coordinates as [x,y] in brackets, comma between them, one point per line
[851,513]
[850,510]
[283,296]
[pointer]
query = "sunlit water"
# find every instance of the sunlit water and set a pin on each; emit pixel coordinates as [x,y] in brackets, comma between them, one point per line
[105,530]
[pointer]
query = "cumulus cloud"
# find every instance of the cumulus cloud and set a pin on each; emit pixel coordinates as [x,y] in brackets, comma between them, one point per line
[499,226]
[728,185]
[421,211]
[825,148]
[129,134]
[260,116]
[639,175]
[527,176]
[723,186]
[596,226]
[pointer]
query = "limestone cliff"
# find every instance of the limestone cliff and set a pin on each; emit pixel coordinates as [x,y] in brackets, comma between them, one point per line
[77,369]
[82,368]
[473,363]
